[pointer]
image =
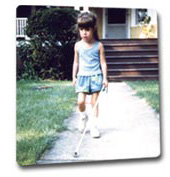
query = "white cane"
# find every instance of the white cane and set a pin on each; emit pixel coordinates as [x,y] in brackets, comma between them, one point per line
[76,153]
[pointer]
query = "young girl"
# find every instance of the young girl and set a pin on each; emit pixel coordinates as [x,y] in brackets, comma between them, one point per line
[89,69]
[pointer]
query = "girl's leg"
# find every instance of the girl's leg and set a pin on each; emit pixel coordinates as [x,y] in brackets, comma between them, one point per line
[94,119]
[82,108]
[93,101]
[81,102]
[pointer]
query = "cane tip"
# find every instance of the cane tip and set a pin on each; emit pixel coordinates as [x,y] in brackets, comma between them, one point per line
[76,154]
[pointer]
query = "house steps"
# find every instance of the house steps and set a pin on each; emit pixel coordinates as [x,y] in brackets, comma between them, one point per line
[131,59]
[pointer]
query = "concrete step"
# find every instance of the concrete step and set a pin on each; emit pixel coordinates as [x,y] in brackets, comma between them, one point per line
[131,65]
[139,77]
[143,52]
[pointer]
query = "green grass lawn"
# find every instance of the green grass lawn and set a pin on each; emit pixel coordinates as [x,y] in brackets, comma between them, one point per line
[148,90]
[40,115]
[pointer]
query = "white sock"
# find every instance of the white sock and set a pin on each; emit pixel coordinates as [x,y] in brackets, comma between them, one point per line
[94,121]
[82,114]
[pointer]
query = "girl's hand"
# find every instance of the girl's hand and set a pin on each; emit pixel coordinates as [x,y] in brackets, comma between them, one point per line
[105,83]
[74,81]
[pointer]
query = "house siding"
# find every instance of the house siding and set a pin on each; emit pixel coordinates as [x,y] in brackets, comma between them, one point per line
[147,31]
[99,13]
[135,31]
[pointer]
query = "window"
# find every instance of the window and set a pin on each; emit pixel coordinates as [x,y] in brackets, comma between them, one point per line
[81,8]
[141,14]
[116,16]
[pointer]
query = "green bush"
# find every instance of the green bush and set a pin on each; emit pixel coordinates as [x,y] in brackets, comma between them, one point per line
[24,62]
[49,53]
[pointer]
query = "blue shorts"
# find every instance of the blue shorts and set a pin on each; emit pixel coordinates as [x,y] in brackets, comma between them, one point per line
[89,84]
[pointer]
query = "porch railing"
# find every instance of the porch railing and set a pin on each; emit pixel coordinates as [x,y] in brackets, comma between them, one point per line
[20,27]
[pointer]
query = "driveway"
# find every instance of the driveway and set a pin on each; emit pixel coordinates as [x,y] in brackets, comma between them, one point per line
[130,129]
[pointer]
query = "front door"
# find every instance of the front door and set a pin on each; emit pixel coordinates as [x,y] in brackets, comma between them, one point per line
[115,23]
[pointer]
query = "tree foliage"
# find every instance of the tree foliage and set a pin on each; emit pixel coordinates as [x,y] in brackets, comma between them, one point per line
[49,53]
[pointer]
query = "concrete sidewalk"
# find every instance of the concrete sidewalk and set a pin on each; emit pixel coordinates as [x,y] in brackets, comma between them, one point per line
[129,129]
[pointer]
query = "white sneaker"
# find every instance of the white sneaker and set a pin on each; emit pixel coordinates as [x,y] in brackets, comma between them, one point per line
[82,123]
[94,132]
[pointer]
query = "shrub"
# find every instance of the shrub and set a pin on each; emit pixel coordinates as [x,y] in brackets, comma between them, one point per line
[24,61]
[49,53]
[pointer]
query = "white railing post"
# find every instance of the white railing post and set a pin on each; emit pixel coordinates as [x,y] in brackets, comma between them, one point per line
[20,27]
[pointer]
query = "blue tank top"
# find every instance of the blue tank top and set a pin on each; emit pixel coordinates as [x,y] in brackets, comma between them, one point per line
[89,60]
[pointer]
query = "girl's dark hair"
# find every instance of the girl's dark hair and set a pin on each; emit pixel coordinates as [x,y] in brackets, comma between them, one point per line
[87,20]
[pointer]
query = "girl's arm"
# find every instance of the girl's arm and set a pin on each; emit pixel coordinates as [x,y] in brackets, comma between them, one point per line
[75,65]
[103,64]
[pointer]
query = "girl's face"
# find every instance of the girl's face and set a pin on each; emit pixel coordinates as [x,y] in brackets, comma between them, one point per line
[86,34]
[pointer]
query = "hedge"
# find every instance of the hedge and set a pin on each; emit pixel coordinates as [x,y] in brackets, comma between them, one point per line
[49,51]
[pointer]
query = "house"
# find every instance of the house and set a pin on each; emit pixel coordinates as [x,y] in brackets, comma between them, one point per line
[129,37]
[115,23]
[119,23]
